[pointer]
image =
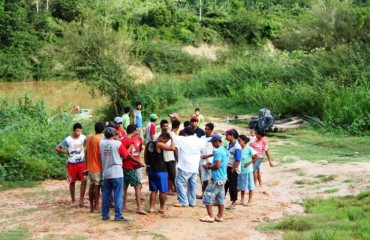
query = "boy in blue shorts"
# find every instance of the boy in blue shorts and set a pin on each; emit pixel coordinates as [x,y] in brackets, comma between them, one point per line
[215,190]
[157,170]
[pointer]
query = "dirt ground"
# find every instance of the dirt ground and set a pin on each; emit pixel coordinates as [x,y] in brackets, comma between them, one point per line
[45,213]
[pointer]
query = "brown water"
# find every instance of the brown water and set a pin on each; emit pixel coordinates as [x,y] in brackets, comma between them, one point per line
[56,94]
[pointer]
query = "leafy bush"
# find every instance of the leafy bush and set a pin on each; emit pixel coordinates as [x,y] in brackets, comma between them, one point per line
[162,57]
[27,141]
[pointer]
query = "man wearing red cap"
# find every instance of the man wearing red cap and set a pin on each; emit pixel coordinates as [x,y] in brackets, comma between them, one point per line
[194,125]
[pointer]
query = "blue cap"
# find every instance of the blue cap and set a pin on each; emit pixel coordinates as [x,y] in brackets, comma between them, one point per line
[215,137]
[109,132]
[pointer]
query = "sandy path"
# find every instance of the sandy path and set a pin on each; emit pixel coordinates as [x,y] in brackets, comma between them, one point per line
[44,211]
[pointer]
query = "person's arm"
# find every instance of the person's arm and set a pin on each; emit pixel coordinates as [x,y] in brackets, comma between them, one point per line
[134,118]
[166,147]
[146,155]
[61,150]
[126,156]
[238,158]
[216,166]
[268,158]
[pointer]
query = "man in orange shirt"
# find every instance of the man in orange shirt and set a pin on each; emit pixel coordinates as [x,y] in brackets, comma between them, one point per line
[93,162]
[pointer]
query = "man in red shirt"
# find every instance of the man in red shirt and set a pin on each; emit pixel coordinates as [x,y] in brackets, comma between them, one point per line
[118,127]
[134,146]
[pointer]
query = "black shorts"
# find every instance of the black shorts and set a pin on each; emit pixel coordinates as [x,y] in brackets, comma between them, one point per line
[171,169]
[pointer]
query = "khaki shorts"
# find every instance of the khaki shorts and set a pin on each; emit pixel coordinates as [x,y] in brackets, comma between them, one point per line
[94,178]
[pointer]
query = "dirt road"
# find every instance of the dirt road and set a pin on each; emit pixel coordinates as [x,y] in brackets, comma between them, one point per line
[44,212]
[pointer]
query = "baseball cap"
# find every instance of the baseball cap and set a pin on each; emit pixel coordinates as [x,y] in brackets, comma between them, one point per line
[117,120]
[174,115]
[193,119]
[215,137]
[153,116]
[232,132]
[109,132]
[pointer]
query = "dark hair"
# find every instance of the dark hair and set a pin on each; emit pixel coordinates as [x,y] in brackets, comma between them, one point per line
[244,138]
[163,122]
[137,103]
[176,124]
[77,126]
[197,109]
[186,124]
[260,132]
[127,109]
[110,124]
[131,128]
[189,131]
[165,135]
[232,132]
[99,127]
[210,126]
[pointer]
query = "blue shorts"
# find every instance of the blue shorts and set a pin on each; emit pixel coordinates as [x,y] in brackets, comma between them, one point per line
[158,181]
[246,182]
[214,193]
[256,164]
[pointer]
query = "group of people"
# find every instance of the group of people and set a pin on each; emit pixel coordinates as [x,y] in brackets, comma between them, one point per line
[173,160]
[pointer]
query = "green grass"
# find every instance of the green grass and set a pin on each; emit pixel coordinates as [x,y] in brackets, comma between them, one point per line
[311,145]
[335,218]
[23,184]
[14,234]
[211,106]
[331,190]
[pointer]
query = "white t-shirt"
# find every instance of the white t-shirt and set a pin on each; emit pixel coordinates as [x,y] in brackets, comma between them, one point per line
[252,139]
[76,152]
[167,155]
[206,150]
[189,152]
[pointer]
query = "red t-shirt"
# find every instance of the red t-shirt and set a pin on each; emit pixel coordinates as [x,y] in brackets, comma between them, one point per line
[127,163]
[122,133]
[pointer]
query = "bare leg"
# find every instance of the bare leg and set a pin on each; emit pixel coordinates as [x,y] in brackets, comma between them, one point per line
[250,196]
[209,210]
[242,193]
[220,211]
[96,197]
[139,206]
[91,197]
[125,197]
[82,192]
[255,174]
[259,177]
[72,192]
[153,196]
[162,201]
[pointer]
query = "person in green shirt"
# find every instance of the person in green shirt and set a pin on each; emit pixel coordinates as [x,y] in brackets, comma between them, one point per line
[200,118]
[126,117]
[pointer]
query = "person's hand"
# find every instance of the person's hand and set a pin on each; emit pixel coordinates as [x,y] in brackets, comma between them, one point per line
[142,164]
[205,166]
[204,156]
[271,165]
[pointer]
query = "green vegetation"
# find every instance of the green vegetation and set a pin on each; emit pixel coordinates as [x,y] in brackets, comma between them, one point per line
[333,218]
[28,138]
[331,147]
[15,234]
[292,56]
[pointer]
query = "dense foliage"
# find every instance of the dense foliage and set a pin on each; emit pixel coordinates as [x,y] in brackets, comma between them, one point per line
[293,56]
[28,138]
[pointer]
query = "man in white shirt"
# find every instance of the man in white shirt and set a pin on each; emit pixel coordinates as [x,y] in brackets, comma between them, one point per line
[188,150]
